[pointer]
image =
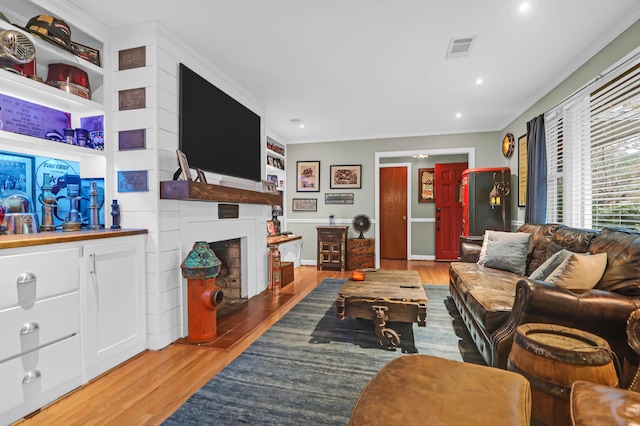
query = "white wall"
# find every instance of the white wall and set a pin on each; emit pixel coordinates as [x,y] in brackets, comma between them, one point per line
[167,247]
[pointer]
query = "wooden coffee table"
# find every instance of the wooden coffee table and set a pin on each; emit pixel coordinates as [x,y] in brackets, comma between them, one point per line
[384,295]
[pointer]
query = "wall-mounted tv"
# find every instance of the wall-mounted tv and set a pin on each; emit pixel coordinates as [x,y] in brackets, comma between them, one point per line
[217,133]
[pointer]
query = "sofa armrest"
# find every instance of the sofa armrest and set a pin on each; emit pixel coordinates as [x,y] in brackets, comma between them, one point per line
[599,312]
[633,338]
[469,252]
[540,300]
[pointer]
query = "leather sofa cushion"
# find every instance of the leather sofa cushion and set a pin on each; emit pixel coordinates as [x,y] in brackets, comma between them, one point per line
[622,274]
[489,293]
[490,307]
[469,276]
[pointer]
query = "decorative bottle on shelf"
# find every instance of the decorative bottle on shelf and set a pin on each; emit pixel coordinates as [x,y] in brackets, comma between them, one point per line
[332,220]
[115,215]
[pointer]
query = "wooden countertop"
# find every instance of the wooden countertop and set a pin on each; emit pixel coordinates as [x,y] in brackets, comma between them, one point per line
[53,237]
[280,239]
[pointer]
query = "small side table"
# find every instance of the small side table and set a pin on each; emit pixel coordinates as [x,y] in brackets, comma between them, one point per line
[332,242]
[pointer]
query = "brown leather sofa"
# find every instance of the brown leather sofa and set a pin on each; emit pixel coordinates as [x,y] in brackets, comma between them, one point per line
[493,303]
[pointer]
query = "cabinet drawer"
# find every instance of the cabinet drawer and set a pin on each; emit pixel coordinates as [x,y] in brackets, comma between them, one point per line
[46,321]
[31,276]
[331,235]
[38,378]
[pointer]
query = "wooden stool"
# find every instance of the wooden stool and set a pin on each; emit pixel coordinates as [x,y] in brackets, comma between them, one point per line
[425,390]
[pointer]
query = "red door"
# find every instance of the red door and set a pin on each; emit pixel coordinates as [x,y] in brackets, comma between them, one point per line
[448,179]
[393,213]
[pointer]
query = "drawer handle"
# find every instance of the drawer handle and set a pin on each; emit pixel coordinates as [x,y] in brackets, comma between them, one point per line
[29,327]
[26,277]
[31,376]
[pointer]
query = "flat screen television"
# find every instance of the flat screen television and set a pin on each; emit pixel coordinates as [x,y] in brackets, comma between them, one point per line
[217,133]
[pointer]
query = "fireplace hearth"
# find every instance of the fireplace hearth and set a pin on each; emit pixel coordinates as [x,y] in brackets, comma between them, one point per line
[230,276]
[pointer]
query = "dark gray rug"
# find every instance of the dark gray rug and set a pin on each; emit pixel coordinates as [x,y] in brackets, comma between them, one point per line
[309,367]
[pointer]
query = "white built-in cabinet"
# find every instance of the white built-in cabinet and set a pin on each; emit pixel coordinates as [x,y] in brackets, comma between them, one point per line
[68,313]
[40,355]
[113,294]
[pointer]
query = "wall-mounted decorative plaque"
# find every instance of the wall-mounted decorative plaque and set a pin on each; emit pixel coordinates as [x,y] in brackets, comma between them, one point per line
[132,58]
[129,140]
[132,99]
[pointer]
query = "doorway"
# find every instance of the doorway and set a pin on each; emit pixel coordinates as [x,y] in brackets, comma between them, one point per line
[448,184]
[393,212]
[471,160]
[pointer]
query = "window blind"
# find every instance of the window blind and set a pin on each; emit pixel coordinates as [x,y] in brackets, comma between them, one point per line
[593,153]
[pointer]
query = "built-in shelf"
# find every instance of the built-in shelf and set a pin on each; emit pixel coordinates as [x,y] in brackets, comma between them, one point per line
[197,191]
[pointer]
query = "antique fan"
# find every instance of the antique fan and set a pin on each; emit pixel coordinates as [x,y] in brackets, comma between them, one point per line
[361,223]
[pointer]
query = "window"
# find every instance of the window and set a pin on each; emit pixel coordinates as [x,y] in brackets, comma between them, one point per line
[593,153]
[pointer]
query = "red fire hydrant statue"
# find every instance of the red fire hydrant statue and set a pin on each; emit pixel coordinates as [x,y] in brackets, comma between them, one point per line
[200,268]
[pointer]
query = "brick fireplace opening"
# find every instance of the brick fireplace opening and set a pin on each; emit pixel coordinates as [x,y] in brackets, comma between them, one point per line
[230,276]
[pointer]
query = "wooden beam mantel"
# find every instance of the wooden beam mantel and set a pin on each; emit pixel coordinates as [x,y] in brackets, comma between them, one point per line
[197,191]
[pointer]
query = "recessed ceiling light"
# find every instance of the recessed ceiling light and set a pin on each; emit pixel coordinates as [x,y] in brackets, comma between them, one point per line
[458,115]
[524,7]
[479,81]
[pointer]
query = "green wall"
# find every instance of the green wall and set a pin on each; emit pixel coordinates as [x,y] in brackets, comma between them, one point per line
[487,154]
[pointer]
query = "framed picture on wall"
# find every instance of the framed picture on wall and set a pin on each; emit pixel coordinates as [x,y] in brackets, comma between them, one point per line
[342,198]
[346,176]
[308,176]
[522,170]
[426,181]
[305,205]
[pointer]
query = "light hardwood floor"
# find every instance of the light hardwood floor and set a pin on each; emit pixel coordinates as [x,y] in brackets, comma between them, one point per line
[148,388]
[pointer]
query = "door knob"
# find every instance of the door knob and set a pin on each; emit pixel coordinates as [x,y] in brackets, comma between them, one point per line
[404,218]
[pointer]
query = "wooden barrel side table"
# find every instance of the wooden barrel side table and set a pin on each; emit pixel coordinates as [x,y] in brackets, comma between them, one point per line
[552,358]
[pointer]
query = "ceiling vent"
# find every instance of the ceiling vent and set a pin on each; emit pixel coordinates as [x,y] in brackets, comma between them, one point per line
[460,47]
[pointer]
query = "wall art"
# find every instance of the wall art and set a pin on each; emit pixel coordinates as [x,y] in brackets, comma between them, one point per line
[426,181]
[305,205]
[339,198]
[129,140]
[133,181]
[346,176]
[308,173]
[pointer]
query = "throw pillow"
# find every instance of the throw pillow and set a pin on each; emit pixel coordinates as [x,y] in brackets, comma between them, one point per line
[549,265]
[506,251]
[579,271]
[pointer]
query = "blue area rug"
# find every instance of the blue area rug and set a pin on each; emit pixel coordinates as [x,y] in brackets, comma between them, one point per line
[309,367]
